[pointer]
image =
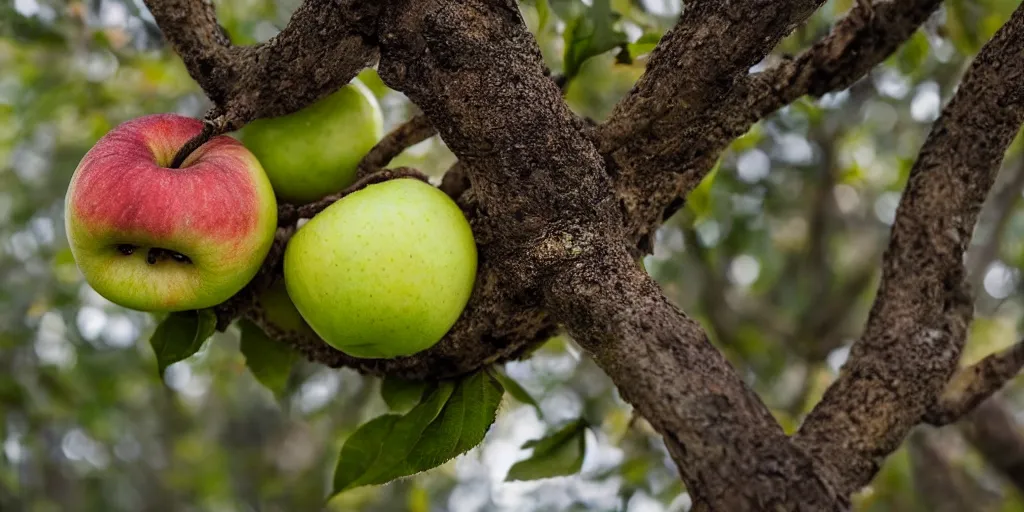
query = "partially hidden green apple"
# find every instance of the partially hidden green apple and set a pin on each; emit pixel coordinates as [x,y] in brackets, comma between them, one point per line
[315,152]
[152,238]
[385,271]
[279,311]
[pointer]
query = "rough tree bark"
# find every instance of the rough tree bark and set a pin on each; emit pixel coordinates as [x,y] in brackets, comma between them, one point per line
[562,210]
[918,323]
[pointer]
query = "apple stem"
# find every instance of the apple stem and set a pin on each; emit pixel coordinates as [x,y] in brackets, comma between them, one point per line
[193,144]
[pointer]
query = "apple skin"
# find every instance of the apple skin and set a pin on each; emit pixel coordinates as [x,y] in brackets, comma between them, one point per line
[385,271]
[279,311]
[314,152]
[218,211]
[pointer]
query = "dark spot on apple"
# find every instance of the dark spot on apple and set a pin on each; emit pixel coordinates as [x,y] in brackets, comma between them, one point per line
[179,257]
[126,249]
[157,254]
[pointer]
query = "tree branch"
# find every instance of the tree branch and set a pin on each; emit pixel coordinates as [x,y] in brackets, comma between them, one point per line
[191,29]
[711,46]
[731,452]
[917,326]
[307,211]
[550,227]
[324,46]
[974,384]
[664,165]
[855,45]
[408,134]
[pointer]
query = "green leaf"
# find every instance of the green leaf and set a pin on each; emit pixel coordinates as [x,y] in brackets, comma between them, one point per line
[402,395]
[566,9]
[482,395]
[558,454]
[700,199]
[356,469]
[644,45]
[452,418]
[590,34]
[543,14]
[513,388]
[181,335]
[912,55]
[362,449]
[269,361]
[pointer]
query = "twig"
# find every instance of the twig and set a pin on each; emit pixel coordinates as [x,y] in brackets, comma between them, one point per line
[307,211]
[325,44]
[410,133]
[974,384]
[919,321]
[456,180]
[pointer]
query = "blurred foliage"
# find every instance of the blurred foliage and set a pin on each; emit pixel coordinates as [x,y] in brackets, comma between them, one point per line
[776,255]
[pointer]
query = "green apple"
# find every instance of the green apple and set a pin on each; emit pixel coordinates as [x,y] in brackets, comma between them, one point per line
[152,238]
[314,152]
[385,271]
[372,81]
[279,311]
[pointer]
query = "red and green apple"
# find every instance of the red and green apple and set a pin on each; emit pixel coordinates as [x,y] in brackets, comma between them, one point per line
[153,238]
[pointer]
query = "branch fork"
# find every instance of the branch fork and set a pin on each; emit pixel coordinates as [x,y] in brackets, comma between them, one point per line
[475,70]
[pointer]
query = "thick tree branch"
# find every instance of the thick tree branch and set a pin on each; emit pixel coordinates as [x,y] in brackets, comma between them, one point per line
[324,46]
[551,229]
[664,162]
[731,452]
[476,72]
[712,45]
[856,44]
[191,29]
[974,384]
[917,326]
